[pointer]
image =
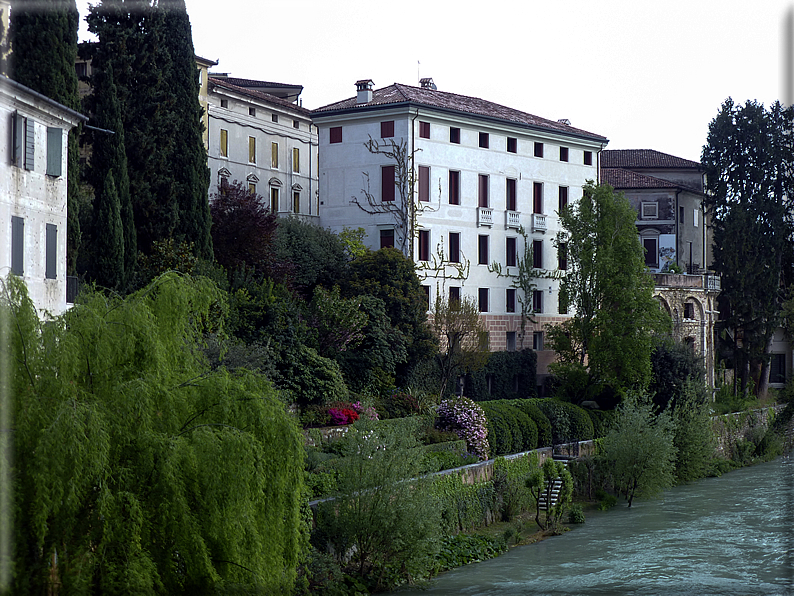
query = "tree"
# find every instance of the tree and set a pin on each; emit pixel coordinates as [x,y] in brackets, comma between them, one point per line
[640,450]
[43,38]
[608,286]
[243,229]
[674,367]
[107,267]
[135,462]
[460,332]
[541,484]
[748,161]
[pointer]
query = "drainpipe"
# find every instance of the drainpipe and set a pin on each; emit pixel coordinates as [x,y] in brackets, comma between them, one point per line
[678,242]
[411,210]
[598,164]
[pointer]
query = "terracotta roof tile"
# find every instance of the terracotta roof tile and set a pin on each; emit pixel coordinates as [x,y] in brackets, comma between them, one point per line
[644,158]
[254,83]
[621,179]
[225,84]
[398,93]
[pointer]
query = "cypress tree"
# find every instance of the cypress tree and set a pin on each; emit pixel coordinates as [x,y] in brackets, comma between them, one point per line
[108,242]
[109,156]
[189,159]
[43,35]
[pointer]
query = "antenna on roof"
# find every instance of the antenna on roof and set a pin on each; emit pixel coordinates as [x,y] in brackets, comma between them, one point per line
[417,70]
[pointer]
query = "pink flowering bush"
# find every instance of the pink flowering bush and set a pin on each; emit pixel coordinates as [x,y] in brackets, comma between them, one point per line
[341,416]
[467,420]
[368,413]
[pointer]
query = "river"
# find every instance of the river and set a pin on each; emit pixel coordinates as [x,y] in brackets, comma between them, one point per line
[732,535]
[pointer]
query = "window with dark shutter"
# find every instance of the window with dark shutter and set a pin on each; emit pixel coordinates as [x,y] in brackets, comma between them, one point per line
[482,295]
[563,196]
[537,254]
[336,134]
[454,187]
[424,183]
[387,238]
[511,194]
[588,158]
[537,301]
[454,135]
[30,144]
[510,300]
[454,295]
[454,247]
[51,266]
[563,153]
[483,190]
[562,256]
[537,197]
[424,130]
[538,149]
[387,129]
[424,245]
[484,140]
[512,145]
[17,245]
[482,250]
[18,133]
[387,183]
[510,250]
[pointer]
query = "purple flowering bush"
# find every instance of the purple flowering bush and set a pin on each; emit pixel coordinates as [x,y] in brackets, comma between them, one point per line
[367,413]
[467,420]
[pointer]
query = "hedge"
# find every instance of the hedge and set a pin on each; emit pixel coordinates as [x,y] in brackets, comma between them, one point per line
[513,375]
[539,418]
[569,423]
[510,430]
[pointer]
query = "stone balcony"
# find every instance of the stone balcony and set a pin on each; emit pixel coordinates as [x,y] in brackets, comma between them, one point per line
[484,216]
[708,281]
[513,220]
[538,222]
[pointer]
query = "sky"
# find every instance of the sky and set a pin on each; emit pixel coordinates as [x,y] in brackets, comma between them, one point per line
[645,75]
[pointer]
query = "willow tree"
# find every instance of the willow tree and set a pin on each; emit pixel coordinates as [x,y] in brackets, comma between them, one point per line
[138,469]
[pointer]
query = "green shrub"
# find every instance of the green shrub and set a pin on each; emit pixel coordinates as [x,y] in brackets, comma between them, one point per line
[512,375]
[602,420]
[510,484]
[463,507]
[575,514]
[434,436]
[463,549]
[500,430]
[569,423]
[539,418]
[605,500]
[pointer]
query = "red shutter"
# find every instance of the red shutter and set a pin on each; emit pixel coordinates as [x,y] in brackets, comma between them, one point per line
[563,197]
[387,183]
[387,129]
[511,194]
[454,188]
[424,245]
[537,188]
[454,247]
[424,130]
[483,190]
[336,134]
[424,183]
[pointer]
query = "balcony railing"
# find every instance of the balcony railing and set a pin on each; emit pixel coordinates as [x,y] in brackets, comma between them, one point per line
[484,216]
[708,281]
[538,222]
[513,219]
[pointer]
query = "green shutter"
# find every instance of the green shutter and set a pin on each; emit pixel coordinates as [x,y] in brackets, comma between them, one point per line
[54,151]
[18,127]
[30,144]
[51,267]
[17,245]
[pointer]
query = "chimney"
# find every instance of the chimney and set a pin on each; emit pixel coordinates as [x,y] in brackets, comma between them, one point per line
[427,83]
[564,121]
[364,91]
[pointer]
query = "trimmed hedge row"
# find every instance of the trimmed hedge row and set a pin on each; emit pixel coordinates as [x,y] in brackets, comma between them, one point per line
[569,423]
[509,429]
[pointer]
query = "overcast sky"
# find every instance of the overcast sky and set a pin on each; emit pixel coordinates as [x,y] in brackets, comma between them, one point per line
[645,75]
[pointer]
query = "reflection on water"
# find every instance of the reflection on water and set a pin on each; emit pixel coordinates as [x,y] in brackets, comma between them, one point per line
[732,535]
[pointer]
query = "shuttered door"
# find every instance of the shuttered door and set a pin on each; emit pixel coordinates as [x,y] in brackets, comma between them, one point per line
[51,267]
[17,245]
[30,144]
[54,151]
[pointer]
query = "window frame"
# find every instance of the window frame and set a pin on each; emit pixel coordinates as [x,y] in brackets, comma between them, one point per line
[223,143]
[537,197]
[454,135]
[453,191]
[511,194]
[388,184]
[537,301]
[483,249]
[424,130]
[424,184]
[424,245]
[387,129]
[511,252]
[538,149]
[484,140]
[18,245]
[483,199]
[562,198]
[512,145]
[482,299]
[252,150]
[564,154]
[454,247]
[587,158]
[510,300]
[334,135]
[274,155]
[296,160]
[537,254]
[385,234]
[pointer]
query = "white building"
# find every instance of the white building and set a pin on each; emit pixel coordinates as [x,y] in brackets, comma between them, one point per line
[259,136]
[33,155]
[480,172]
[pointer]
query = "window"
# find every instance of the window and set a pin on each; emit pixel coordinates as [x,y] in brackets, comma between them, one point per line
[454,247]
[484,140]
[651,246]
[538,149]
[689,311]
[454,187]
[251,150]
[296,201]
[454,135]
[537,197]
[426,296]
[274,155]
[274,118]
[563,198]
[680,215]
[30,144]
[537,301]
[387,129]
[225,103]
[387,183]
[510,189]
[424,245]
[54,151]
[510,341]
[512,145]
[588,158]
[482,250]
[224,143]
[454,295]
[387,238]
[252,111]
[537,254]
[695,218]
[424,183]
[274,200]
[563,153]
[18,140]
[296,159]
[296,124]
[537,341]
[777,369]
[424,130]
[562,256]
[17,245]
[51,252]
[650,211]
[482,192]
[562,304]
[251,187]
[335,134]
[510,252]
[482,299]
[510,300]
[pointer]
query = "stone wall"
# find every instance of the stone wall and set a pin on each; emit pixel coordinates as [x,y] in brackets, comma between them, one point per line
[730,428]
